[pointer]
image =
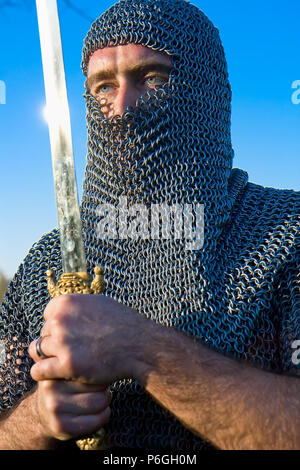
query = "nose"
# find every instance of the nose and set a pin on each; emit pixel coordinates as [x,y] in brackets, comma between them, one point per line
[127,94]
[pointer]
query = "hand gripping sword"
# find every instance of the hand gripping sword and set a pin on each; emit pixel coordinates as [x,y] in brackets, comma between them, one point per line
[75,278]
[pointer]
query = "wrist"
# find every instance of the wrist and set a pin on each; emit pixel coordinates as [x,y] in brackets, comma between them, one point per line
[42,432]
[35,412]
[154,339]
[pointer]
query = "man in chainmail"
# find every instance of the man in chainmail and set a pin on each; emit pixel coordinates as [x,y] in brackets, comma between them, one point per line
[196,345]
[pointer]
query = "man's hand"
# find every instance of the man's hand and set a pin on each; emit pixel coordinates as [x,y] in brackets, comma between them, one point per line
[69,409]
[89,339]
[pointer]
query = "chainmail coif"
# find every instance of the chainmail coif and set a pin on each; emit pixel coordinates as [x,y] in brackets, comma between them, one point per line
[239,293]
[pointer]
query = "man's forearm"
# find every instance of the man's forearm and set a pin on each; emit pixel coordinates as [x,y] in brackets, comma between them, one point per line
[229,403]
[20,428]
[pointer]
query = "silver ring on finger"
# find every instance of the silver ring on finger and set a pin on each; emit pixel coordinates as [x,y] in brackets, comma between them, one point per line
[38,348]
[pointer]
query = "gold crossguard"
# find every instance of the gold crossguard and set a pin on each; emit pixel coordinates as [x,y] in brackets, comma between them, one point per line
[80,283]
[76,283]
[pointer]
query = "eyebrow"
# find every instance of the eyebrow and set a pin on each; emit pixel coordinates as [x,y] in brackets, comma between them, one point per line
[139,69]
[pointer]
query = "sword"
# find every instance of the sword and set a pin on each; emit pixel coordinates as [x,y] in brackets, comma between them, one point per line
[75,278]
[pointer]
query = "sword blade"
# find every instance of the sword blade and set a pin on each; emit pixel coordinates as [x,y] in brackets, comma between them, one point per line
[72,248]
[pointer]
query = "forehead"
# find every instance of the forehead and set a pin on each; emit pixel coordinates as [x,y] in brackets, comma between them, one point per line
[122,56]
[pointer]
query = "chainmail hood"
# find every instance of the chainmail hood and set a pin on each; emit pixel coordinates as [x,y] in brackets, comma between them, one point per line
[239,292]
[175,145]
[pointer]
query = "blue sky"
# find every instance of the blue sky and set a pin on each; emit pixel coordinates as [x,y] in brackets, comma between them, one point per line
[262,44]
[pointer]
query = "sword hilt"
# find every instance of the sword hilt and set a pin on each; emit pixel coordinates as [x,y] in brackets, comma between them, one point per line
[80,283]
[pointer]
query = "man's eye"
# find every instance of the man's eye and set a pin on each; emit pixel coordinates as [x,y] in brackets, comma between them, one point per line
[103,89]
[155,81]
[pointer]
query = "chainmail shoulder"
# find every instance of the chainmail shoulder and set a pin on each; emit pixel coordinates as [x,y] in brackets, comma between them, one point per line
[256,292]
[21,318]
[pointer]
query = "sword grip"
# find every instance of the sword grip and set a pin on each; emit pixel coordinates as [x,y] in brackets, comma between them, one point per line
[80,283]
